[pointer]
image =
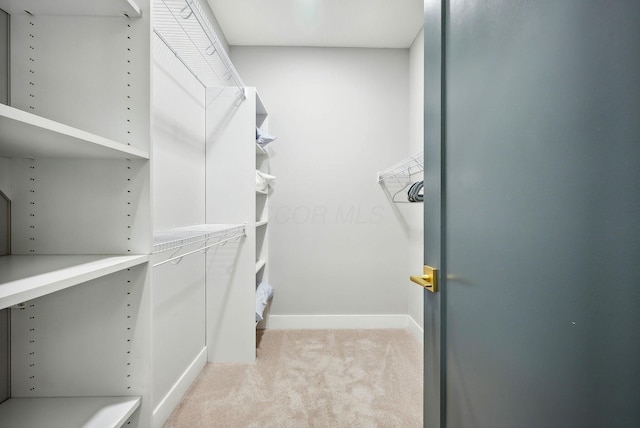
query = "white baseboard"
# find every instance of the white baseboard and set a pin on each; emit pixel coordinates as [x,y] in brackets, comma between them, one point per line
[415,329]
[170,401]
[339,322]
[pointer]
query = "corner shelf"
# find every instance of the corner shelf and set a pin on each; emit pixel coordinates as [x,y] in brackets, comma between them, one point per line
[126,8]
[63,412]
[28,135]
[26,277]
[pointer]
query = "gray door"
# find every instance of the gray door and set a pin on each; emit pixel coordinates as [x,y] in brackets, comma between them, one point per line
[538,215]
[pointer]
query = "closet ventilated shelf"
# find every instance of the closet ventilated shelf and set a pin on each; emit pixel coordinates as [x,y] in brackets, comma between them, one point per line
[183,26]
[203,236]
[126,8]
[65,412]
[403,170]
[174,239]
[24,134]
[397,180]
[26,277]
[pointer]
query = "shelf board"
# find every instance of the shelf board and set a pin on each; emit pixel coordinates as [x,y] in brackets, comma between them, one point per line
[262,192]
[65,412]
[26,277]
[261,151]
[262,223]
[73,7]
[24,134]
[260,264]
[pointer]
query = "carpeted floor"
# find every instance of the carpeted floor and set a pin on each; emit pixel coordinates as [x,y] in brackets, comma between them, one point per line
[312,378]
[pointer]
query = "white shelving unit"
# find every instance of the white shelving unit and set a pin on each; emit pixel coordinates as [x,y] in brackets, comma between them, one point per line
[31,136]
[64,412]
[75,144]
[98,273]
[24,277]
[262,202]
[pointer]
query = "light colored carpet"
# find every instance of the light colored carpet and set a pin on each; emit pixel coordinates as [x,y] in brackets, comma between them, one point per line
[312,378]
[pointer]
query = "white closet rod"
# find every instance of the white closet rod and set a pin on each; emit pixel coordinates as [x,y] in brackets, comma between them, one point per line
[198,13]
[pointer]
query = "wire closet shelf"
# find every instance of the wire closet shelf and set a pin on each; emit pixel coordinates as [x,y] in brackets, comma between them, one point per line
[395,179]
[204,235]
[184,28]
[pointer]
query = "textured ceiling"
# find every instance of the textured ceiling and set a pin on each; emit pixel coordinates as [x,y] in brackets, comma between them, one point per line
[343,23]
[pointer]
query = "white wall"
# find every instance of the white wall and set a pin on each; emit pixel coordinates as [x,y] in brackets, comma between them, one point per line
[416,140]
[341,114]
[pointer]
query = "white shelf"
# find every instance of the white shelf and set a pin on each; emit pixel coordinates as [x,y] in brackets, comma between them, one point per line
[260,264]
[404,169]
[185,28]
[262,192]
[24,134]
[73,7]
[67,412]
[261,151]
[262,223]
[260,108]
[174,239]
[26,277]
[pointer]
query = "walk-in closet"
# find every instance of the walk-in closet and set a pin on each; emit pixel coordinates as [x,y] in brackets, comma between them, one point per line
[177,179]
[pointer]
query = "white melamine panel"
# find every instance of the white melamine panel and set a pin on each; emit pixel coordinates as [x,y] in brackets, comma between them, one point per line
[178,128]
[27,135]
[85,412]
[63,206]
[230,156]
[231,301]
[72,7]
[89,340]
[91,73]
[231,199]
[178,320]
[24,277]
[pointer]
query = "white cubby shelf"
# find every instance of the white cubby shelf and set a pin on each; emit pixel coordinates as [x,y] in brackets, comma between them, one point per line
[64,412]
[126,8]
[26,277]
[28,135]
